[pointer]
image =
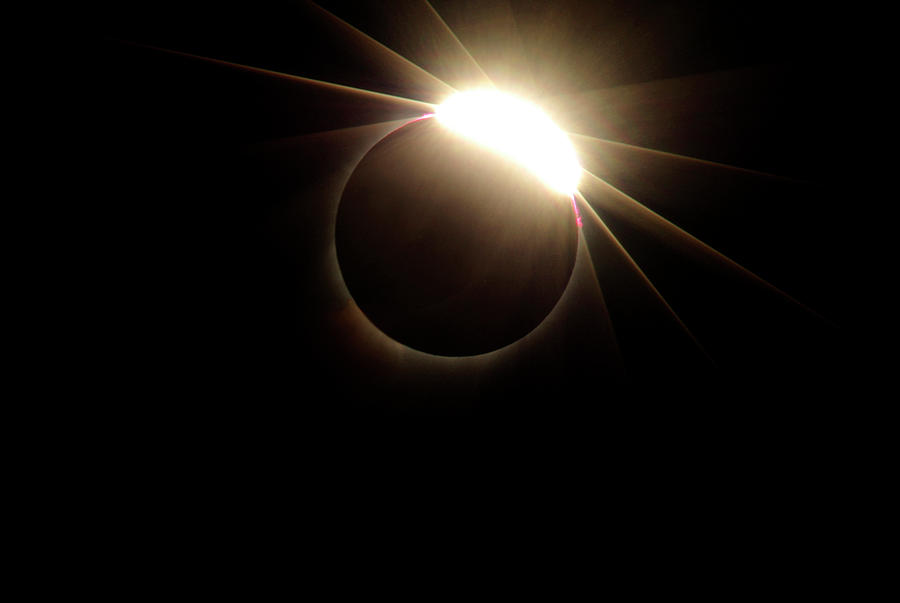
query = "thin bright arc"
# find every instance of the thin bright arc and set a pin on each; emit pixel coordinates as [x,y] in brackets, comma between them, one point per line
[577,213]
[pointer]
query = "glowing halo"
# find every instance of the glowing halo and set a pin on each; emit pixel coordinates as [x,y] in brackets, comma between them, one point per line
[437,250]
[517,129]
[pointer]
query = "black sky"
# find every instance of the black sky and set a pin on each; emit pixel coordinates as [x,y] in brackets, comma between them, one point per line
[218,298]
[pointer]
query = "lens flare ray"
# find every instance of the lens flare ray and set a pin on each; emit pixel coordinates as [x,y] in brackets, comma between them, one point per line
[289,140]
[604,314]
[716,164]
[416,104]
[633,209]
[374,44]
[462,46]
[637,269]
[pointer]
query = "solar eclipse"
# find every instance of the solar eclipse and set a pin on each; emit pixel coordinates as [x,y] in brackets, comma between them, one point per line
[292,158]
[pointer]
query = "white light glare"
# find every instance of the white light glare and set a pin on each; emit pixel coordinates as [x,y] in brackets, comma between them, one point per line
[517,129]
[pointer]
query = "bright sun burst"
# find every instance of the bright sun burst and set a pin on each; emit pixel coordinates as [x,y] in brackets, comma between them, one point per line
[517,129]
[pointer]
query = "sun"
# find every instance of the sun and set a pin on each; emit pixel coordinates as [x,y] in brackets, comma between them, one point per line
[519,130]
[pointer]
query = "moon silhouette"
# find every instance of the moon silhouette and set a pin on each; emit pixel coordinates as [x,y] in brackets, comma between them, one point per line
[451,248]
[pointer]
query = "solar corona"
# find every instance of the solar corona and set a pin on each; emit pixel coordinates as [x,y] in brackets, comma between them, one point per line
[474,195]
[452,219]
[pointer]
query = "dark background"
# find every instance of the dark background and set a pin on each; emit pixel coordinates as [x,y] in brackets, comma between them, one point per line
[213,300]
[198,317]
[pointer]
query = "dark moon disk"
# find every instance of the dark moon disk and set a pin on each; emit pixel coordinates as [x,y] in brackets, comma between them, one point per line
[448,247]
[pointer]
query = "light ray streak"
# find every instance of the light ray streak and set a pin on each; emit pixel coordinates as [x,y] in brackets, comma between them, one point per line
[287,140]
[646,280]
[650,151]
[461,45]
[521,44]
[419,105]
[633,209]
[607,319]
[698,80]
[448,89]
